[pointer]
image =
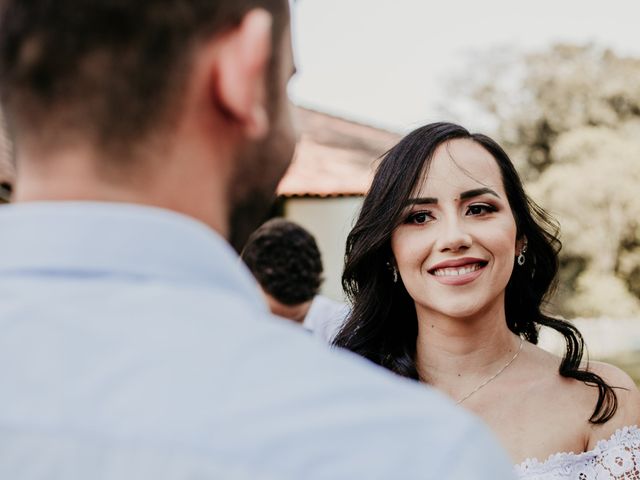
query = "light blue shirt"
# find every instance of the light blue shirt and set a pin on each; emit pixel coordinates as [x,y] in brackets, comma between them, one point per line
[134,345]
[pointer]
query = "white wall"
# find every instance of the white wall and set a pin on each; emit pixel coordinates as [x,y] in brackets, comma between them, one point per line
[329,220]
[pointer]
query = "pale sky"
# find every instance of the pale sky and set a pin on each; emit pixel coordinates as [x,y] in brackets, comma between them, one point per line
[386,62]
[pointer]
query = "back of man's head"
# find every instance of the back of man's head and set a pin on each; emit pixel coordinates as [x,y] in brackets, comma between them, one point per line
[178,104]
[285,259]
[109,69]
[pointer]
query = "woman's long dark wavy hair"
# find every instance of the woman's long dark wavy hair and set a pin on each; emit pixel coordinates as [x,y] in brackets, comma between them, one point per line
[383,326]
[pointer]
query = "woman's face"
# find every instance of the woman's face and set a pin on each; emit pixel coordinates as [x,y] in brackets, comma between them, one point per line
[456,245]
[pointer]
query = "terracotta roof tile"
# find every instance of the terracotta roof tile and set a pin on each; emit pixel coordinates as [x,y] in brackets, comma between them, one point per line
[334,156]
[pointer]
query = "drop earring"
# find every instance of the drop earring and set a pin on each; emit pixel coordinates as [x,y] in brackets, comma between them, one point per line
[394,272]
[521,259]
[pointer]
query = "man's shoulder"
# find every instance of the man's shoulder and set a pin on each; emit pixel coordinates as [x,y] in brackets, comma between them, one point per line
[274,385]
[163,363]
[326,316]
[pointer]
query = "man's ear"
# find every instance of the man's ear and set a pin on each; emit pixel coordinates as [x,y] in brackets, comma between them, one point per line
[240,81]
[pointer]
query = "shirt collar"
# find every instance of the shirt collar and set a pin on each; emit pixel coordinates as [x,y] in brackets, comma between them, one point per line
[91,238]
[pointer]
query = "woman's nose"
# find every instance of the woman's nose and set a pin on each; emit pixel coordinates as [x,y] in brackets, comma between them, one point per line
[453,237]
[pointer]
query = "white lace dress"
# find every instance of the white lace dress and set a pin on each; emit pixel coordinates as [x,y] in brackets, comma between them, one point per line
[617,458]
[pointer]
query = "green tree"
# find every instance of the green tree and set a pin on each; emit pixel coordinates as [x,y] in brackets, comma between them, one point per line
[570,118]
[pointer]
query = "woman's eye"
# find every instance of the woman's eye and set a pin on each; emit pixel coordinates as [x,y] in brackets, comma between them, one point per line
[480,209]
[419,218]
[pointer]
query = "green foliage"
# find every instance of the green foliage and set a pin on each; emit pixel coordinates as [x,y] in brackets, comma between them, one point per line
[570,118]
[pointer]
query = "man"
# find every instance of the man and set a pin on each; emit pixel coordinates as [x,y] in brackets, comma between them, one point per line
[134,345]
[286,261]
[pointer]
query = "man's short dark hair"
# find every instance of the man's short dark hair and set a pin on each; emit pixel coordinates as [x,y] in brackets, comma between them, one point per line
[285,259]
[112,69]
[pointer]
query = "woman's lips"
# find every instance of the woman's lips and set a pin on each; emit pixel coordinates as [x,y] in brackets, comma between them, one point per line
[458,275]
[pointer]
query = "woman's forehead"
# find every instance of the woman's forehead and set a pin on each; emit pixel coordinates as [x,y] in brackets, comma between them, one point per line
[459,165]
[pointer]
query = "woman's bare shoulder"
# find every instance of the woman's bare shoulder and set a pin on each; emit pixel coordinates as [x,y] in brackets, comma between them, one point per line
[577,400]
[613,375]
[628,401]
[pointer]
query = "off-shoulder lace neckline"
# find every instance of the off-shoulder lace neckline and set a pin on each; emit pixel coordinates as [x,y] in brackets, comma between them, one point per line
[552,460]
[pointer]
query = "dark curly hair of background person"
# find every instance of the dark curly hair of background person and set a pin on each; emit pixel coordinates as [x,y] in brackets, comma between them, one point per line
[285,260]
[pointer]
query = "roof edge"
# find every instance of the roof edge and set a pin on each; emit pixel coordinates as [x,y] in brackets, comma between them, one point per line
[350,120]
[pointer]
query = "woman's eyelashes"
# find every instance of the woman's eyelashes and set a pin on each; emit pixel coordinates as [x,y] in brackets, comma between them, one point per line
[419,218]
[479,209]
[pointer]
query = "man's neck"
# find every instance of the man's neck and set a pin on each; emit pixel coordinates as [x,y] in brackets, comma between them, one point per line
[295,313]
[184,187]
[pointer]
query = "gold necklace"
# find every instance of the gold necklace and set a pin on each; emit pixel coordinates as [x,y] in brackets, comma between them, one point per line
[486,382]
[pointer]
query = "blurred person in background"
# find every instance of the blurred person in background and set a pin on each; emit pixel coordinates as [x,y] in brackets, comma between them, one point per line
[285,259]
[448,267]
[134,344]
[7,170]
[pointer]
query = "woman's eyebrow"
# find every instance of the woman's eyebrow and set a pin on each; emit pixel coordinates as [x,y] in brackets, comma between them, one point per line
[421,201]
[477,192]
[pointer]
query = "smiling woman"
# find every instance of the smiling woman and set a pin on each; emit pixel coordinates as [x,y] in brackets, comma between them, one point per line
[448,268]
[457,228]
